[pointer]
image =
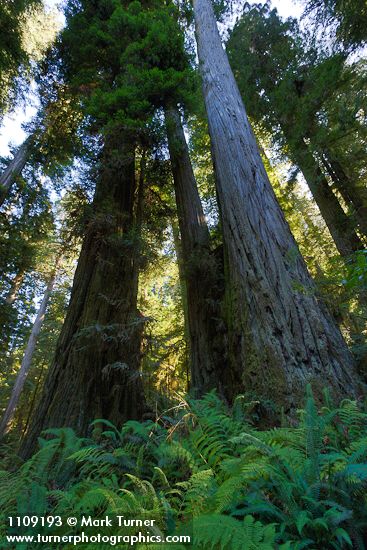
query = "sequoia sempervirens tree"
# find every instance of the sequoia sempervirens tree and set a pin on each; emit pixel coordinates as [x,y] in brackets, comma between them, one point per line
[281,336]
[305,99]
[14,169]
[99,348]
[159,71]
[201,271]
[28,354]
[146,69]
[95,372]
[341,226]
[53,141]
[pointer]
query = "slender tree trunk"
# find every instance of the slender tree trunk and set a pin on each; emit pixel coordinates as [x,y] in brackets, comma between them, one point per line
[95,372]
[200,270]
[352,192]
[14,169]
[189,207]
[22,266]
[340,225]
[181,274]
[140,193]
[27,358]
[32,403]
[281,336]
[9,315]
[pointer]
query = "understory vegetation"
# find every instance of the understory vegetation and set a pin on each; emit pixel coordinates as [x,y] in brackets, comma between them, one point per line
[204,469]
[183,274]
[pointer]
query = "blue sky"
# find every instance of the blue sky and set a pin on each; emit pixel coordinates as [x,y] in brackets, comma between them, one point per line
[11,132]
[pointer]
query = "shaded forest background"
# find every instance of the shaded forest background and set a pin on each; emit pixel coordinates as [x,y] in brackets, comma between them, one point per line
[184,229]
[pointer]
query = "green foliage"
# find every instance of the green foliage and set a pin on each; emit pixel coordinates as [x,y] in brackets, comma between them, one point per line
[26,33]
[207,471]
[125,59]
[349,16]
[33,230]
[164,360]
[218,531]
[274,60]
[357,272]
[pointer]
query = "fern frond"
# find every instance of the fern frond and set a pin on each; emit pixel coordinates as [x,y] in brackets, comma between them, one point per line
[226,533]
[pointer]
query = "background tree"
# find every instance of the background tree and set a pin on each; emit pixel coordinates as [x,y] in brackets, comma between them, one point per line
[27,32]
[350,18]
[28,354]
[54,136]
[24,235]
[202,270]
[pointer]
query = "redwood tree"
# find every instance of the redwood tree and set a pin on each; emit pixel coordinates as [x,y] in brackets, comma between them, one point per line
[28,355]
[352,191]
[341,226]
[95,372]
[281,336]
[299,95]
[14,169]
[202,271]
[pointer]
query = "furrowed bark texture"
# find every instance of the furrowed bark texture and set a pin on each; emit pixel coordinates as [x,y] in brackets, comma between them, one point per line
[201,270]
[95,373]
[14,169]
[281,336]
[27,358]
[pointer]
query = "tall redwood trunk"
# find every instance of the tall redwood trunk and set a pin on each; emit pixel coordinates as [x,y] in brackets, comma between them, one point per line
[27,358]
[14,169]
[95,372]
[200,270]
[352,192]
[341,226]
[281,336]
